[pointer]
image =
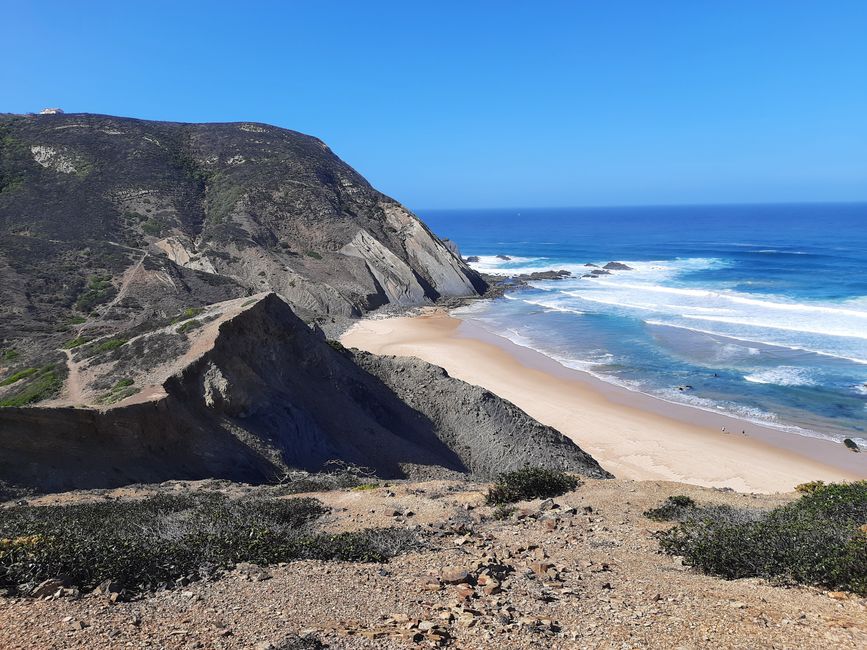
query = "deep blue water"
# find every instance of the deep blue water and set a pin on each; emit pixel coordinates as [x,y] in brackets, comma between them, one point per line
[761,310]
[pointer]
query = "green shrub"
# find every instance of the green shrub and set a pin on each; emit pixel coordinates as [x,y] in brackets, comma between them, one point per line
[43,384]
[109,345]
[819,539]
[21,374]
[189,312]
[189,325]
[314,255]
[9,355]
[99,290]
[674,509]
[76,342]
[123,383]
[530,483]
[503,511]
[153,542]
[153,227]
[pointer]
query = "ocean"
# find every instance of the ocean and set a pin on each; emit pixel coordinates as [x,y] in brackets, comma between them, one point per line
[756,311]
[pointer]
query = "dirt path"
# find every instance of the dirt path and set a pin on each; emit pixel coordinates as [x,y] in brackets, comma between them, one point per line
[74,387]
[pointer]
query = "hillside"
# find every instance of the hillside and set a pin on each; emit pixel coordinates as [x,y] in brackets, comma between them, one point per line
[112,219]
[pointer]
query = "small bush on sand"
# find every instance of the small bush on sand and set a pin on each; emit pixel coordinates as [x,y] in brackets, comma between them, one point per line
[154,542]
[503,511]
[673,509]
[530,483]
[820,539]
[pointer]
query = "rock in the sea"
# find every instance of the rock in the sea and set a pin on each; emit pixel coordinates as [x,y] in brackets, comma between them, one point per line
[617,266]
[544,275]
[472,259]
[505,258]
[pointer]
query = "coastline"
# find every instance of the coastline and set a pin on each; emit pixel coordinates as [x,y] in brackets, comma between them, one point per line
[633,435]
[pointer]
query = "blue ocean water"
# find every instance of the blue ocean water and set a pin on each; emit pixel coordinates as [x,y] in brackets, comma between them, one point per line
[760,310]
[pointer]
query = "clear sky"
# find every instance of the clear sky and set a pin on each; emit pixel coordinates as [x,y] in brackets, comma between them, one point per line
[487,104]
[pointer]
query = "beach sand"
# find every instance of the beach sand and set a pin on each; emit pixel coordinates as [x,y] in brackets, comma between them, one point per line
[632,435]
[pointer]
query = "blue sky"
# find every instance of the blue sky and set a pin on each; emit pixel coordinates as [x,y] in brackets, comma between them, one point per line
[487,104]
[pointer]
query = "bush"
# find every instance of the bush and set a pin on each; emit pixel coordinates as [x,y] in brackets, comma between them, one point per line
[109,345]
[530,483]
[42,385]
[188,313]
[189,326]
[674,509]
[21,374]
[154,542]
[314,255]
[76,342]
[503,512]
[820,539]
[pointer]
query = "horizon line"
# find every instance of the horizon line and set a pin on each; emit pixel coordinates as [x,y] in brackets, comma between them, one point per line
[603,206]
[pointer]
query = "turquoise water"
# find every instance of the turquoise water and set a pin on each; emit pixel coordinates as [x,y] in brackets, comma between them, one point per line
[761,311]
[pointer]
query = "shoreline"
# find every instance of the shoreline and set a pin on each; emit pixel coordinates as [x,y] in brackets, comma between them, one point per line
[631,434]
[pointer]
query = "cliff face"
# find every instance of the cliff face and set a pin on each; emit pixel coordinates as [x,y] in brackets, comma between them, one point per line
[244,206]
[259,392]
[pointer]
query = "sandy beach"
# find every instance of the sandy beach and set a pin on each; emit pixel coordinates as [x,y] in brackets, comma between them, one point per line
[634,436]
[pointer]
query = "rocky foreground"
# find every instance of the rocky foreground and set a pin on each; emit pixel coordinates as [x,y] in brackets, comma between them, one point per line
[579,571]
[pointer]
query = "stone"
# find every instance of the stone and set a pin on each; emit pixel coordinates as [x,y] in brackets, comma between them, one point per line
[540,568]
[454,575]
[49,587]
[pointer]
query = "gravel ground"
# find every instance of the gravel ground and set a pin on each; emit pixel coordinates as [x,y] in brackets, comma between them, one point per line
[584,573]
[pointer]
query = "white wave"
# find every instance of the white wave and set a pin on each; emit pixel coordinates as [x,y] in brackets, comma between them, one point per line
[553,306]
[831,328]
[782,376]
[753,340]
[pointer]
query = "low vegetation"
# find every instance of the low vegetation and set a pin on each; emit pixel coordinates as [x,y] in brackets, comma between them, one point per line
[99,290]
[21,374]
[530,483]
[9,355]
[78,341]
[189,326]
[43,384]
[122,389]
[109,345]
[156,542]
[673,509]
[188,313]
[820,539]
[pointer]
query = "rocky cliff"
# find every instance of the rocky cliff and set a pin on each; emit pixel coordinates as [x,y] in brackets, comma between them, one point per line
[252,391]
